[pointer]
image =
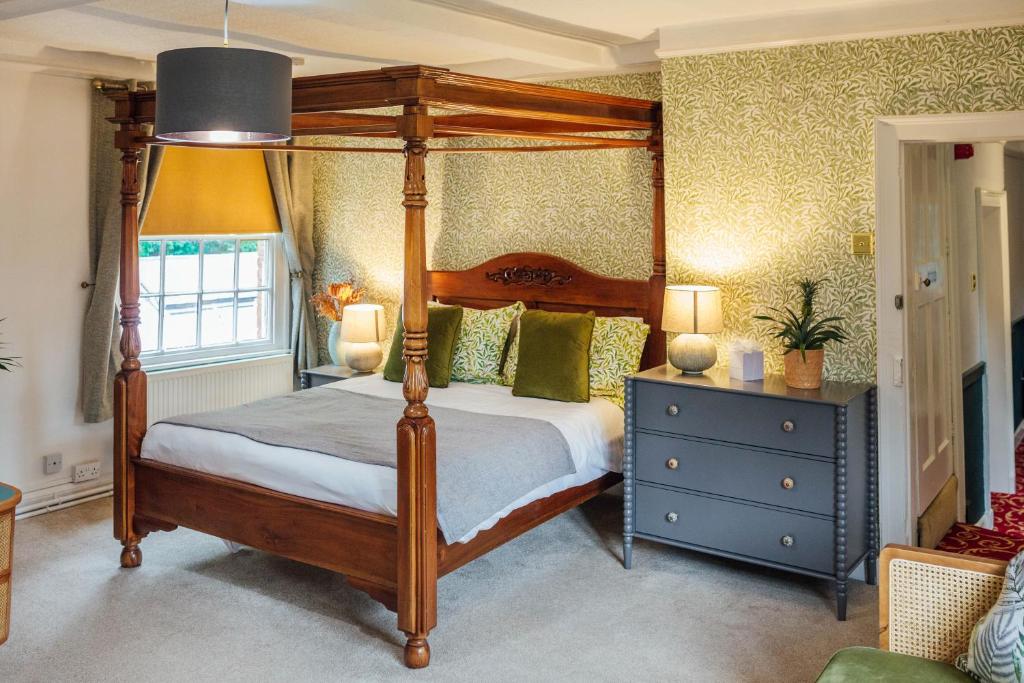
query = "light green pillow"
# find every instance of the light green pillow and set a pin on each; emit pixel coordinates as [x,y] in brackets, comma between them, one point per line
[616,349]
[615,352]
[554,356]
[481,343]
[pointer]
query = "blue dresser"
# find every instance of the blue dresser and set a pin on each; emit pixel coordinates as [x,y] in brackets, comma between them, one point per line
[755,471]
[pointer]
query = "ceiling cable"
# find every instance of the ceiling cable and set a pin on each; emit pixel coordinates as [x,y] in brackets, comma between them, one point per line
[226,2]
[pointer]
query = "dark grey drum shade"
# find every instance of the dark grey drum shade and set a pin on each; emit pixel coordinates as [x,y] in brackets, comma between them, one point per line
[223,95]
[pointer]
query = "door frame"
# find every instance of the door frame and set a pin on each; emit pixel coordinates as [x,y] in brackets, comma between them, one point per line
[998,386]
[891,133]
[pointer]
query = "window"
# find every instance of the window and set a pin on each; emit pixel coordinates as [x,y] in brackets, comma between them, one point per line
[211,298]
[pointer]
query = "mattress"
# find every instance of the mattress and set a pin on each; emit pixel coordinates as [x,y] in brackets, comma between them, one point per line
[594,432]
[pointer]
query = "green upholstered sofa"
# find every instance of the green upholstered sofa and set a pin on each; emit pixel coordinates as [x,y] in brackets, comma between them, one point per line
[928,603]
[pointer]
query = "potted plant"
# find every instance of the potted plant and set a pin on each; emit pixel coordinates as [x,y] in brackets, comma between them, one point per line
[329,304]
[7,362]
[804,337]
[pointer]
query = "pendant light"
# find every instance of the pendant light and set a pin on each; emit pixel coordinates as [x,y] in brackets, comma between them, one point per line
[223,95]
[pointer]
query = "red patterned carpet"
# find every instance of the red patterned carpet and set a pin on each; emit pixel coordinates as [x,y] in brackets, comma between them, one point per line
[1006,538]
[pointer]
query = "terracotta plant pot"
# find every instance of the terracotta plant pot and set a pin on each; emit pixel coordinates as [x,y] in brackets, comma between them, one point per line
[804,374]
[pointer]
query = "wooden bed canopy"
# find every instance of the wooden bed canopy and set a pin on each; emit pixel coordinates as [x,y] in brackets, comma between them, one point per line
[397,560]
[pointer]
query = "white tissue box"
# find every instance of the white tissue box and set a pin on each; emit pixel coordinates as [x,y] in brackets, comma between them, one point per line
[746,364]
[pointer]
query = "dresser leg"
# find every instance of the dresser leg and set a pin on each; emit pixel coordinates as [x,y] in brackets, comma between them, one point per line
[871,569]
[627,552]
[841,600]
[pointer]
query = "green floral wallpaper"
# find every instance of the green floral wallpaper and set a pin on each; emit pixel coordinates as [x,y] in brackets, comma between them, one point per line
[769,170]
[769,164]
[590,207]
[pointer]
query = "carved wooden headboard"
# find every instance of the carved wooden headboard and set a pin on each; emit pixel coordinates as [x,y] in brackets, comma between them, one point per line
[553,284]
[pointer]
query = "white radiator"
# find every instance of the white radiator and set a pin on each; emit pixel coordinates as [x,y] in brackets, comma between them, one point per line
[212,387]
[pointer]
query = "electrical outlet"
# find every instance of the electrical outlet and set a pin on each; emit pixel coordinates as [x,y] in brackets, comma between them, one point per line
[86,471]
[53,463]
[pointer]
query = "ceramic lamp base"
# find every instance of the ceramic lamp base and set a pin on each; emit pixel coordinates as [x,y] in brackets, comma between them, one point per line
[363,357]
[692,353]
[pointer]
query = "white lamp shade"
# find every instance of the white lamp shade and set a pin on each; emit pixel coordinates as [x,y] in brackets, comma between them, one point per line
[692,309]
[362,323]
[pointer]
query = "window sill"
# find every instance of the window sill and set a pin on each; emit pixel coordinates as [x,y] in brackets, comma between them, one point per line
[200,363]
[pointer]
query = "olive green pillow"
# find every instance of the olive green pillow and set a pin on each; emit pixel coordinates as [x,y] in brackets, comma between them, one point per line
[443,324]
[616,349]
[554,356]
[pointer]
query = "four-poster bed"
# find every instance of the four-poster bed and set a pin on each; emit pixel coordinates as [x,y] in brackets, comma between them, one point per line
[397,560]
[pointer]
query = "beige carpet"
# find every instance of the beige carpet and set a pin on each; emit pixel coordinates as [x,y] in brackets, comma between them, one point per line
[554,604]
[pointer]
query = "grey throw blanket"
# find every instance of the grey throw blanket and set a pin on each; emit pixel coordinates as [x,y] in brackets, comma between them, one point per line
[484,462]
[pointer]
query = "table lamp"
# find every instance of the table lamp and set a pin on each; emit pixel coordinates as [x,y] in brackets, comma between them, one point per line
[362,326]
[695,311]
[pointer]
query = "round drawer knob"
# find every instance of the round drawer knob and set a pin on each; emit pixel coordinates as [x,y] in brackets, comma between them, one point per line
[673,410]
[672,517]
[788,483]
[786,540]
[672,464]
[788,426]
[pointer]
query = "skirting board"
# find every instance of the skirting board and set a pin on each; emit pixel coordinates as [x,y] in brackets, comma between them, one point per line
[62,496]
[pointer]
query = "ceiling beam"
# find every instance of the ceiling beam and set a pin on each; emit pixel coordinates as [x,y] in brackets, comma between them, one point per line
[12,9]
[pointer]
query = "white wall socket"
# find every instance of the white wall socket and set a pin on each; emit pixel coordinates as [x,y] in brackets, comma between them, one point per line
[53,463]
[86,471]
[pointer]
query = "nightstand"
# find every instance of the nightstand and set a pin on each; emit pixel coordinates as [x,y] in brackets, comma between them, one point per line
[755,471]
[325,374]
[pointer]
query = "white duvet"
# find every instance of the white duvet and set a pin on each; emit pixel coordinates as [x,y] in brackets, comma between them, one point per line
[594,432]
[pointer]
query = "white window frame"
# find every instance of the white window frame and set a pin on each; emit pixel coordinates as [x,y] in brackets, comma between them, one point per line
[279,314]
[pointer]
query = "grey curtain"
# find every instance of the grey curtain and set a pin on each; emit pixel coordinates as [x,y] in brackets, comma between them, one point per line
[291,179]
[101,357]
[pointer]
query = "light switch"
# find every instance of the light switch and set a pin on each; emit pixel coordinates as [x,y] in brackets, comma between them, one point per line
[862,244]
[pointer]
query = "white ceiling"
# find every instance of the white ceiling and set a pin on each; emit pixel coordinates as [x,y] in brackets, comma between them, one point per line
[528,39]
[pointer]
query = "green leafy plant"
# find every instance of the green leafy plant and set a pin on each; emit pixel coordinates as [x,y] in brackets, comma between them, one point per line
[805,332]
[6,363]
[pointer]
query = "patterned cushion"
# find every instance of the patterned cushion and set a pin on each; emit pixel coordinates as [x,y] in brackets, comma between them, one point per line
[996,650]
[615,351]
[481,343]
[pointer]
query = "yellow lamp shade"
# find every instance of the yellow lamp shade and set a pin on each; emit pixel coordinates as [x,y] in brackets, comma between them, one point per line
[211,191]
[362,323]
[692,309]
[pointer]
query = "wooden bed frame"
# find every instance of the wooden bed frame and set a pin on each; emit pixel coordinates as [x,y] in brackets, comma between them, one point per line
[397,560]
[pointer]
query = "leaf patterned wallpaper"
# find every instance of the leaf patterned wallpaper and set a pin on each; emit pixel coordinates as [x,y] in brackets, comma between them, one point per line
[590,207]
[770,168]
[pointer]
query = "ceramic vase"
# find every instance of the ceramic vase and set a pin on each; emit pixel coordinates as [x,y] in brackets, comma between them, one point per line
[335,347]
[803,371]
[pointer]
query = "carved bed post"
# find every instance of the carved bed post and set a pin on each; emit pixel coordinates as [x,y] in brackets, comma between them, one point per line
[130,383]
[656,350]
[417,491]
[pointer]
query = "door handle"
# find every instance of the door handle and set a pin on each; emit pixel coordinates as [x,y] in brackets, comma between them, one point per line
[927,282]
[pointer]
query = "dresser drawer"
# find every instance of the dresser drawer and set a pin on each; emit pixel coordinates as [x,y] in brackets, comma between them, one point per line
[756,420]
[736,528]
[760,476]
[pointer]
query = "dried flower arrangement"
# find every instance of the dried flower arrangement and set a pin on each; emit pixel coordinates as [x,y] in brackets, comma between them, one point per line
[330,303]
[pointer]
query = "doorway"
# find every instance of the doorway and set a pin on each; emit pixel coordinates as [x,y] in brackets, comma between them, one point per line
[959,286]
[928,434]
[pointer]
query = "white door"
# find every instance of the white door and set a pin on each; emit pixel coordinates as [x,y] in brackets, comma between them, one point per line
[927,219]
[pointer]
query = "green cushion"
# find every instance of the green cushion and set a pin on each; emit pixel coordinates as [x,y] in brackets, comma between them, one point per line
[442,330]
[868,665]
[554,356]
